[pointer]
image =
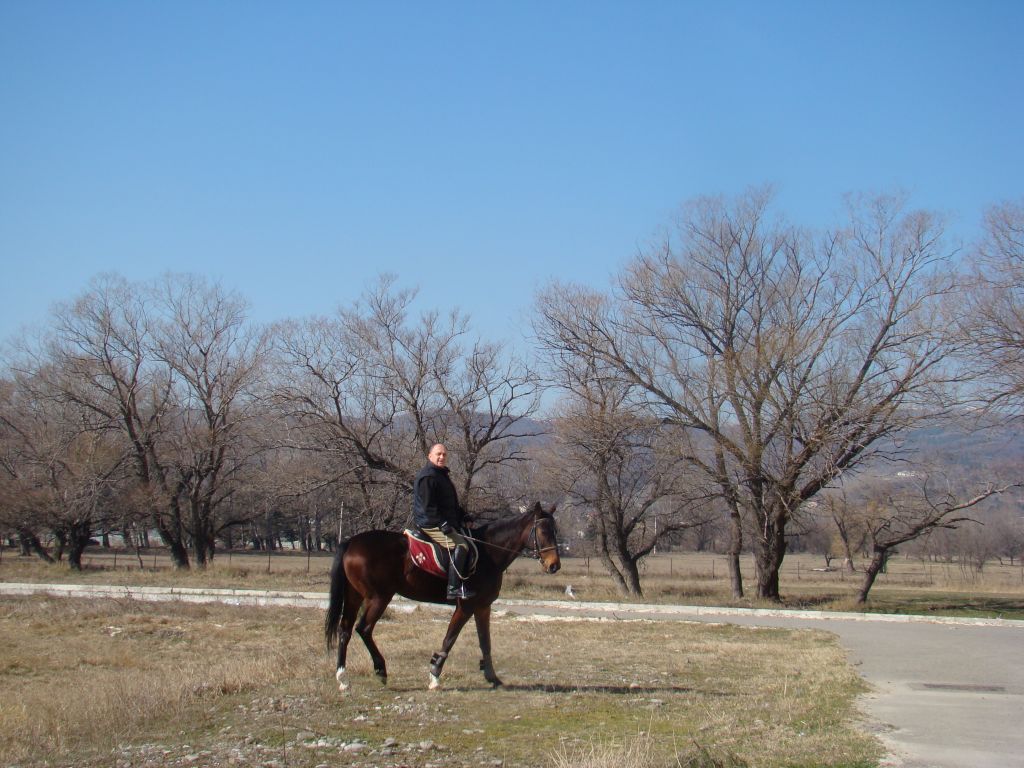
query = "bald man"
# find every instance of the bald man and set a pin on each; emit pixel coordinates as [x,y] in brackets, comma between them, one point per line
[436,512]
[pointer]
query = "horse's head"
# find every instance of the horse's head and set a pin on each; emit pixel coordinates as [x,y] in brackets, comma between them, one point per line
[544,538]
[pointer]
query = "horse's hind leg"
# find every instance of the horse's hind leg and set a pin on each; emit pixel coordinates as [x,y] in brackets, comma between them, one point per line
[353,602]
[375,607]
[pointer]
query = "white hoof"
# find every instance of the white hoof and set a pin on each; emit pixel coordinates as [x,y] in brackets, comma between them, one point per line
[435,682]
[342,680]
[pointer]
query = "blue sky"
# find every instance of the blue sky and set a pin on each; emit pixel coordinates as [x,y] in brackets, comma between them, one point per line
[295,151]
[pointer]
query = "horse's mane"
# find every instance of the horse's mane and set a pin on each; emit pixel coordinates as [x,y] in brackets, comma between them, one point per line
[496,527]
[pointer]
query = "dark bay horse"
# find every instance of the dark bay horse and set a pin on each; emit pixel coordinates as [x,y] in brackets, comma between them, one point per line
[371,568]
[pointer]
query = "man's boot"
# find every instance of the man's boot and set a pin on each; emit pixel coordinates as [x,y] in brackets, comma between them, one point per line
[457,588]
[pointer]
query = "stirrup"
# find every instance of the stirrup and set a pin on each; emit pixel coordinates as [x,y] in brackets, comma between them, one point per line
[461,592]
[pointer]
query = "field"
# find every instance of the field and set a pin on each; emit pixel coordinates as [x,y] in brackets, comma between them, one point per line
[105,683]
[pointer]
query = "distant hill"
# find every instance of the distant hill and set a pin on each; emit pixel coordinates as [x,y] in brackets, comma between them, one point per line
[964,445]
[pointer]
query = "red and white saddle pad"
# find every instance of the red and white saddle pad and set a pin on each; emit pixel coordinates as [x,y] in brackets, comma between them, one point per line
[432,557]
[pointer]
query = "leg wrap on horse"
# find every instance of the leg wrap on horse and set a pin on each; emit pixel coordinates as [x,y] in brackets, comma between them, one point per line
[437,663]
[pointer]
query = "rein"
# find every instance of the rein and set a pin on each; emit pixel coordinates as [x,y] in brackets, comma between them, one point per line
[537,549]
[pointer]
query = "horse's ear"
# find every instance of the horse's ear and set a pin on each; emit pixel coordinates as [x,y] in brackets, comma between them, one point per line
[538,509]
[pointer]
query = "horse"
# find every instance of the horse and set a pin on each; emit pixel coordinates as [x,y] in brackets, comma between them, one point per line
[372,567]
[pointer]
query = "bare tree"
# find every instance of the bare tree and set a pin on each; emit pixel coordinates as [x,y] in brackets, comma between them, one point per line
[488,397]
[619,466]
[896,519]
[791,356]
[373,387]
[851,533]
[98,356]
[336,402]
[994,316]
[23,503]
[215,359]
[167,366]
[62,469]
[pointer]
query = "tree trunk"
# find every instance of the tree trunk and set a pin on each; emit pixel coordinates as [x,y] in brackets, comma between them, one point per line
[876,566]
[735,549]
[202,536]
[770,553]
[847,552]
[615,573]
[179,555]
[631,571]
[77,540]
[175,546]
[30,543]
[62,540]
[172,536]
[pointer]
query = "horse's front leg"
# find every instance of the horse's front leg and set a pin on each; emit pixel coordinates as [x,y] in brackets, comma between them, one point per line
[459,619]
[483,633]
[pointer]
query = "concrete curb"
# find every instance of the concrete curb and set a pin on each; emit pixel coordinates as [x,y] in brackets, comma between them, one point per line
[165,594]
[652,610]
[625,611]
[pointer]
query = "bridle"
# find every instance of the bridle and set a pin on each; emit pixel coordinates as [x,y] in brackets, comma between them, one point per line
[538,550]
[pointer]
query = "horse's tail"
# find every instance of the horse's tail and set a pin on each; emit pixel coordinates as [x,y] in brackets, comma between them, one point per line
[339,587]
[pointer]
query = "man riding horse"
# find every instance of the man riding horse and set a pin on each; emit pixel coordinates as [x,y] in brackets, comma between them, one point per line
[436,512]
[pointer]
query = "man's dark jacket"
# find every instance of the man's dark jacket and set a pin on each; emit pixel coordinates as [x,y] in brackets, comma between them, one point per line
[434,500]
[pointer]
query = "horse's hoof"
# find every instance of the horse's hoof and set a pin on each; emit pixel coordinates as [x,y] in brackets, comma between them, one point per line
[435,682]
[342,681]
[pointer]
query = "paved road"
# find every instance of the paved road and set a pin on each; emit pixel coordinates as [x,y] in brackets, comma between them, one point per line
[947,693]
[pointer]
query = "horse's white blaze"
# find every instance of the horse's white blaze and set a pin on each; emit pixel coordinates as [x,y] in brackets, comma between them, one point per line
[435,682]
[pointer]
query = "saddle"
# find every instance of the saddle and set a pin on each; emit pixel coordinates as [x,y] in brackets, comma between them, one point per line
[429,556]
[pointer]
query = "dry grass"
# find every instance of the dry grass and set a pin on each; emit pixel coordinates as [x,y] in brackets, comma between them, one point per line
[91,674]
[639,751]
[635,752]
[126,684]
